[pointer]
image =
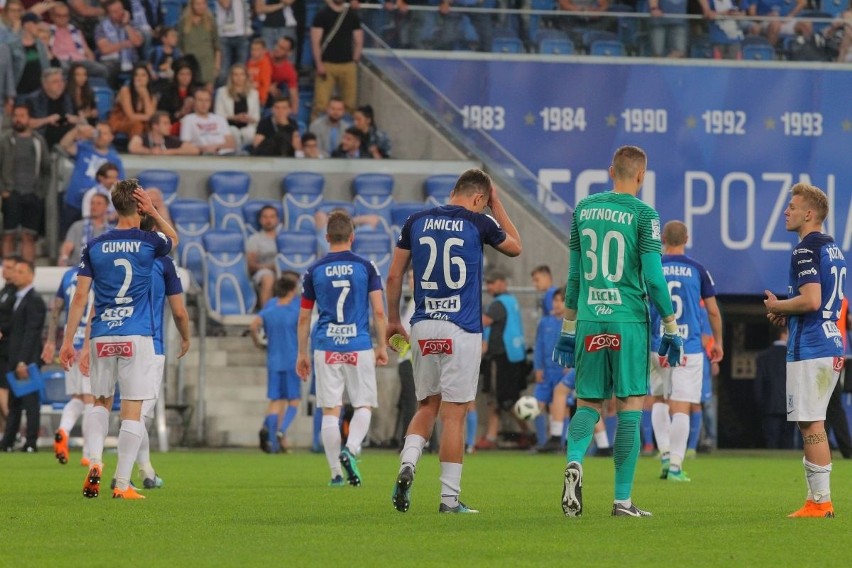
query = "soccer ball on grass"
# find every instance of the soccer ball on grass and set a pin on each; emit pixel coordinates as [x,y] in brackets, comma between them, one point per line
[526,408]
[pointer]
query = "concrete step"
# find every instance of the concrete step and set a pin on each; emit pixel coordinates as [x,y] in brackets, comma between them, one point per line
[243,431]
[253,358]
[236,376]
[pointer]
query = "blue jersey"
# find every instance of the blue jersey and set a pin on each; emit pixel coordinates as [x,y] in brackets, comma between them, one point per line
[546,336]
[120,263]
[86,164]
[817,260]
[66,291]
[689,283]
[340,284]
[280,321]
[547,300]
[446,253]
[164,282]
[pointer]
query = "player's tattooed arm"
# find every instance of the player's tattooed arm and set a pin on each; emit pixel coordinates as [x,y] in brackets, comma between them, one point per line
[814,439]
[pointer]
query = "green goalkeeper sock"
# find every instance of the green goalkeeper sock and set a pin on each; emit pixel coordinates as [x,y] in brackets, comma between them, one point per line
[626,452]
[580,432]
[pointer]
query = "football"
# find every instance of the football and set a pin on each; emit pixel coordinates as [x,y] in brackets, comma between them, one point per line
[526,408]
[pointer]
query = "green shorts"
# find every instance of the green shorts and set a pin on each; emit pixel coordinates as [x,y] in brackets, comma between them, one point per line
[612,357]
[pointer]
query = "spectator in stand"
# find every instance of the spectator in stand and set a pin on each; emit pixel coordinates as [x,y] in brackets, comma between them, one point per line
[68,43]
[261,250]
[311,148]
[838,37]
[35,55]
[726,29]
[178,98]
[157,139]
[783,22]
[239,104]
[668,35]
[165,56]
[374,143]
[233,21]
[336,41]
[86,15]
[284,79]
[106,176]
[91,147]
[7,79]
[350,145]
[139,13]
[199,36]
[279,22]
[117,40]
[159,203]
[277,134]
[260,69]
[410,23]
[51,109]
[593,21]
[11,15]
[330,127]
[81,93]
[24,173]
[82,231]
[134,104]
[43,34]
[208,131]
[450,29]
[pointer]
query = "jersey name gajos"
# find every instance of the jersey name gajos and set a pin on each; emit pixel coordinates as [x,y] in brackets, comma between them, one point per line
[339,270]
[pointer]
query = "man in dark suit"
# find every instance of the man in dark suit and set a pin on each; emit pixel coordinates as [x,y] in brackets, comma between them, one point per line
[770,391]
[24,347]
[7,302]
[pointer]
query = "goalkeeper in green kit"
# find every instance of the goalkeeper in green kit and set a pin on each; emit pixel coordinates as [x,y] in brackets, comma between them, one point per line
[614,255]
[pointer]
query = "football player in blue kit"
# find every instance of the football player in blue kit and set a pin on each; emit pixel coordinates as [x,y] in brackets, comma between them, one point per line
[815,344]
[344,288]
[445,246]
[77,385]
[120,263]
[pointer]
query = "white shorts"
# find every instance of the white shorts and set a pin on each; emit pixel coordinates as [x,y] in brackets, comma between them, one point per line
[76,382]
[446,360]
[129,359]
[258,276]
[355,370]
[788,26]
[681,383]
[660,378]
[150,405]
[809,386]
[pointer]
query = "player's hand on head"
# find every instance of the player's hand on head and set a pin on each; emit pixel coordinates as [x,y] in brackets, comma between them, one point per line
[144,204]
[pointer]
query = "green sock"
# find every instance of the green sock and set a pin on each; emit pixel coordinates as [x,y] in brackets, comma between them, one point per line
[626,452]
[580,432]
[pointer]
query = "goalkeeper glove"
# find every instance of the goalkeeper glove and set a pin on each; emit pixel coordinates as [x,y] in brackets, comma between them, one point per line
[671,345]
[563,353]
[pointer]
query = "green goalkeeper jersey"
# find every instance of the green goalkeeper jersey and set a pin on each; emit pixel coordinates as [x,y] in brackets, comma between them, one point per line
[609,234]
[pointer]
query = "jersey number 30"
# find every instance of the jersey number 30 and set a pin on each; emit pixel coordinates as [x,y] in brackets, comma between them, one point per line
[603,257]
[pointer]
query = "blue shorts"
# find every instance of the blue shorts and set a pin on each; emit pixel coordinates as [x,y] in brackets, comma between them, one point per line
[283,385]
[544,390]
[706,387]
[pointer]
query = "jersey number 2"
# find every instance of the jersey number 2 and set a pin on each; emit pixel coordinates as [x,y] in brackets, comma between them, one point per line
[121,298]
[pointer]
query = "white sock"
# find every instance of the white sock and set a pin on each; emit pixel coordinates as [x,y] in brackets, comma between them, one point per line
[601,439]
[662,422]
[129,439]
[96,429]
[411,451]
[72,411]
[86,414]
[680,436]
[330,434]
[450,483]
[358,428]
[556,427]
[818,477]
[143,458]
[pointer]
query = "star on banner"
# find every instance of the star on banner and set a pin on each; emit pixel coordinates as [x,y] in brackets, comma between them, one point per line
[691,122]
[611,120]
[529,119]
[769,123]
[847,125]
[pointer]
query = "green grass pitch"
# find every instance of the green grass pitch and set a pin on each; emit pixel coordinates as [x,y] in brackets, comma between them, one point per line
[244,508]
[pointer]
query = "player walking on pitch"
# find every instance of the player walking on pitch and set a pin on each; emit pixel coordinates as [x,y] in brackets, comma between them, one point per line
[815,345]
[614,259]
[444,244]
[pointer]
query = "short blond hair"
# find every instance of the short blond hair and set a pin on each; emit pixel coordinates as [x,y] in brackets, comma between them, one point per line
[628,161]
[675,233]
[814,197]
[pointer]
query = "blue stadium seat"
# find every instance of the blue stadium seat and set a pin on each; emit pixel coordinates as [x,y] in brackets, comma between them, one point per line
[590,36]
[104,99]
[556,46]
[374,196]
[534,25]
[192,220]
[296,251]
[375,246]
[167,181]
[507,45]
[607,48]
[251,210]
[227,287]
[438,188]
[834,7]
[229,191]
[400,212]
[54,394]
[302,197]
[701,48]
[758,52]
[627,29]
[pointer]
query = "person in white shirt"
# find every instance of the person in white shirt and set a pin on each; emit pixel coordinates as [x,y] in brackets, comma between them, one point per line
[208,131]
[239,103]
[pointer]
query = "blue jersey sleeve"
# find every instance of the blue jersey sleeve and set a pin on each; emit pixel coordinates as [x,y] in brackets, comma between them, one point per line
[404,240]
[161,243]
[375,278]
[807,266]
[173,284]
[85,263]
[491,231]
[308,291]
[708,287]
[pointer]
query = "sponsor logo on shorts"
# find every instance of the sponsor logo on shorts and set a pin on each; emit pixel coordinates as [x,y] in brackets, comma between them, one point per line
[115,349]
[436,346]
[606,296]
[337,358]
[838,364]
[601,341]
[451,304]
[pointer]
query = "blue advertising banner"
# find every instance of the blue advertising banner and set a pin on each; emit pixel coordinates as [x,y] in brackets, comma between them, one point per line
[724,143]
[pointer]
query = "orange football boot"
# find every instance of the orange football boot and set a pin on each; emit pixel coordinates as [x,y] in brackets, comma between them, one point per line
[60,446]
[812,509]
[92,484]
[129,493]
